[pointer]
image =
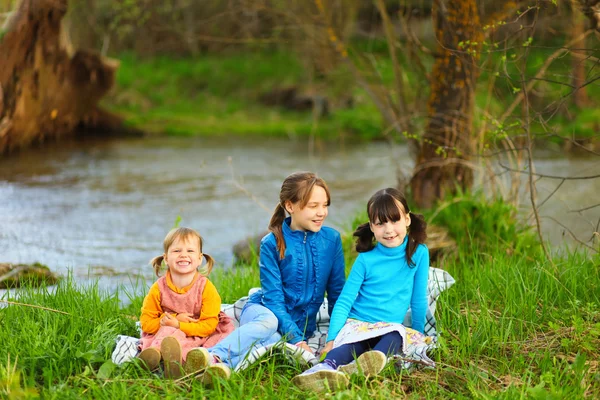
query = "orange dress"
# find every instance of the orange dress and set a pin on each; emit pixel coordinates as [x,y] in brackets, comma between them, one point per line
[200,299]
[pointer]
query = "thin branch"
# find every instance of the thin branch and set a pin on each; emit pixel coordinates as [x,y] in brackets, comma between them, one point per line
[527,127]
[569,178]
[339,46]
[14,303]
[243,189]
[571,233]
[551,194]
[389,33]
[540,73]
[585,209]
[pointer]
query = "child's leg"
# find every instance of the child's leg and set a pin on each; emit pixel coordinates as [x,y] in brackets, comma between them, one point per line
[258,327]
[390,343]
[372,357]
[345,354]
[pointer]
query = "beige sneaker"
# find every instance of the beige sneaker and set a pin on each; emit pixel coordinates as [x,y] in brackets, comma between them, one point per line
[214,372]
[369,363]
[170,348]
[321,378]
[197,360]
[150,358]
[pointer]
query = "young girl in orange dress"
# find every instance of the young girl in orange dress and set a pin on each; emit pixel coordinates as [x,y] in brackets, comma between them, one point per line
[182,310]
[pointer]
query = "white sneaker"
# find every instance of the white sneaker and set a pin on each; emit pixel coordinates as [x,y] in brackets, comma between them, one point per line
[321,378]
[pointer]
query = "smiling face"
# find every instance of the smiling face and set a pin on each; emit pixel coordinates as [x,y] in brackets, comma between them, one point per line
[391,232]
[183,256]
[311,216]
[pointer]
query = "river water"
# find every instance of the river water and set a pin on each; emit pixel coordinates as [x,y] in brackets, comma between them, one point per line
[108,204]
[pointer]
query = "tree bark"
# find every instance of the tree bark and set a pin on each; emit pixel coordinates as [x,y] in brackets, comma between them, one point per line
[47,92]
[580,96]
[442,164]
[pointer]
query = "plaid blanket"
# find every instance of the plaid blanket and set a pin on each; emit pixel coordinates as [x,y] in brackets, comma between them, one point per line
[439,280]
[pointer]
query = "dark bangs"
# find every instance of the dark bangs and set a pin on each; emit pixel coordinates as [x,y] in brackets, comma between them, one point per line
[384,208]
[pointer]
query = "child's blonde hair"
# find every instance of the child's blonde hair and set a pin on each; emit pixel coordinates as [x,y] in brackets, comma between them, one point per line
[184,234]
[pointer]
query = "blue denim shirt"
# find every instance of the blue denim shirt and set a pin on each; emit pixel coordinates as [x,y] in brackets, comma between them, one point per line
[293,288]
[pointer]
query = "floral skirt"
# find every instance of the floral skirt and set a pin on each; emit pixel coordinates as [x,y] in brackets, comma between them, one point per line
[357,331]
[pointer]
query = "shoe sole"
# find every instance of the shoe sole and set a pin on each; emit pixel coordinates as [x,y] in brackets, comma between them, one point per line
[171,355]
[197,360]
[150,358]
[369,364]
[213,372]
[322,381]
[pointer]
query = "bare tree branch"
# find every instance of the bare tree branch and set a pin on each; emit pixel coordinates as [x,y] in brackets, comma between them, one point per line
[526,89]
[570,178]
[571,233]
[585,208]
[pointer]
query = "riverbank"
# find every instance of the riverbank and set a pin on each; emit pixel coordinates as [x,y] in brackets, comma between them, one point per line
[233,94]
[227,94]
[514,325]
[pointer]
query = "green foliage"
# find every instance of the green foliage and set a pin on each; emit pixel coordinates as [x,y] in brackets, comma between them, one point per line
[584,124]
[479,224]
[219,95]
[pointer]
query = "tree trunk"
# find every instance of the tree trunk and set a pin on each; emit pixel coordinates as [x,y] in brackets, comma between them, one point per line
[580,96]
[442,162]
[45,91]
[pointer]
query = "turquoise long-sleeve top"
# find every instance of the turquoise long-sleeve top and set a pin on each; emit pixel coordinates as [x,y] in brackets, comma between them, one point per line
[381,286]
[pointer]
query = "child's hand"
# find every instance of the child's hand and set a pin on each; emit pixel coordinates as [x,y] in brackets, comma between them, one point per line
[305,346]
[327,348]
[169,320]
[186,317]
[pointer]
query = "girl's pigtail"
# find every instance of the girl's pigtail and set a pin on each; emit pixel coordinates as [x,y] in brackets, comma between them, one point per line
[275,226]
[364,235]
[157,263]
[417,234]
[209,264]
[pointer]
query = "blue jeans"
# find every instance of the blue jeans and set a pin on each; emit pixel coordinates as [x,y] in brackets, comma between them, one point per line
[258,327]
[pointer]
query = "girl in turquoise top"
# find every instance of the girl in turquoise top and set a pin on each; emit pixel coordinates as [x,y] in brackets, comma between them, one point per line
[389,276]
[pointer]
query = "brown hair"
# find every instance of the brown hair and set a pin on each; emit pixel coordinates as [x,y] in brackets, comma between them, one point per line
[296,188]
[182,234]
[382,207]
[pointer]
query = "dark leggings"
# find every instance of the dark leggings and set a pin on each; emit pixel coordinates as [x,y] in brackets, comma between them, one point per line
[388,344]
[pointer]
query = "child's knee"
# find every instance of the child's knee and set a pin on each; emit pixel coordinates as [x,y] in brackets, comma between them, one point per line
[269,322]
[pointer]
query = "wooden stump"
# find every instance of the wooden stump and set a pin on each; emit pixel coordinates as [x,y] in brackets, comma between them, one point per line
[47,90]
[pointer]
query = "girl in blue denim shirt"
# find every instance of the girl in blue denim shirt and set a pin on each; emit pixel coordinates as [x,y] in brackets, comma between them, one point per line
[300,260]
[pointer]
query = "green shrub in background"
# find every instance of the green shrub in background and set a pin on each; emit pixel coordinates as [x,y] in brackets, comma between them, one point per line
[480,224]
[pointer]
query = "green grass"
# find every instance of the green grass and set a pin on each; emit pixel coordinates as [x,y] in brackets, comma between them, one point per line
[513,326]
[218,95]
